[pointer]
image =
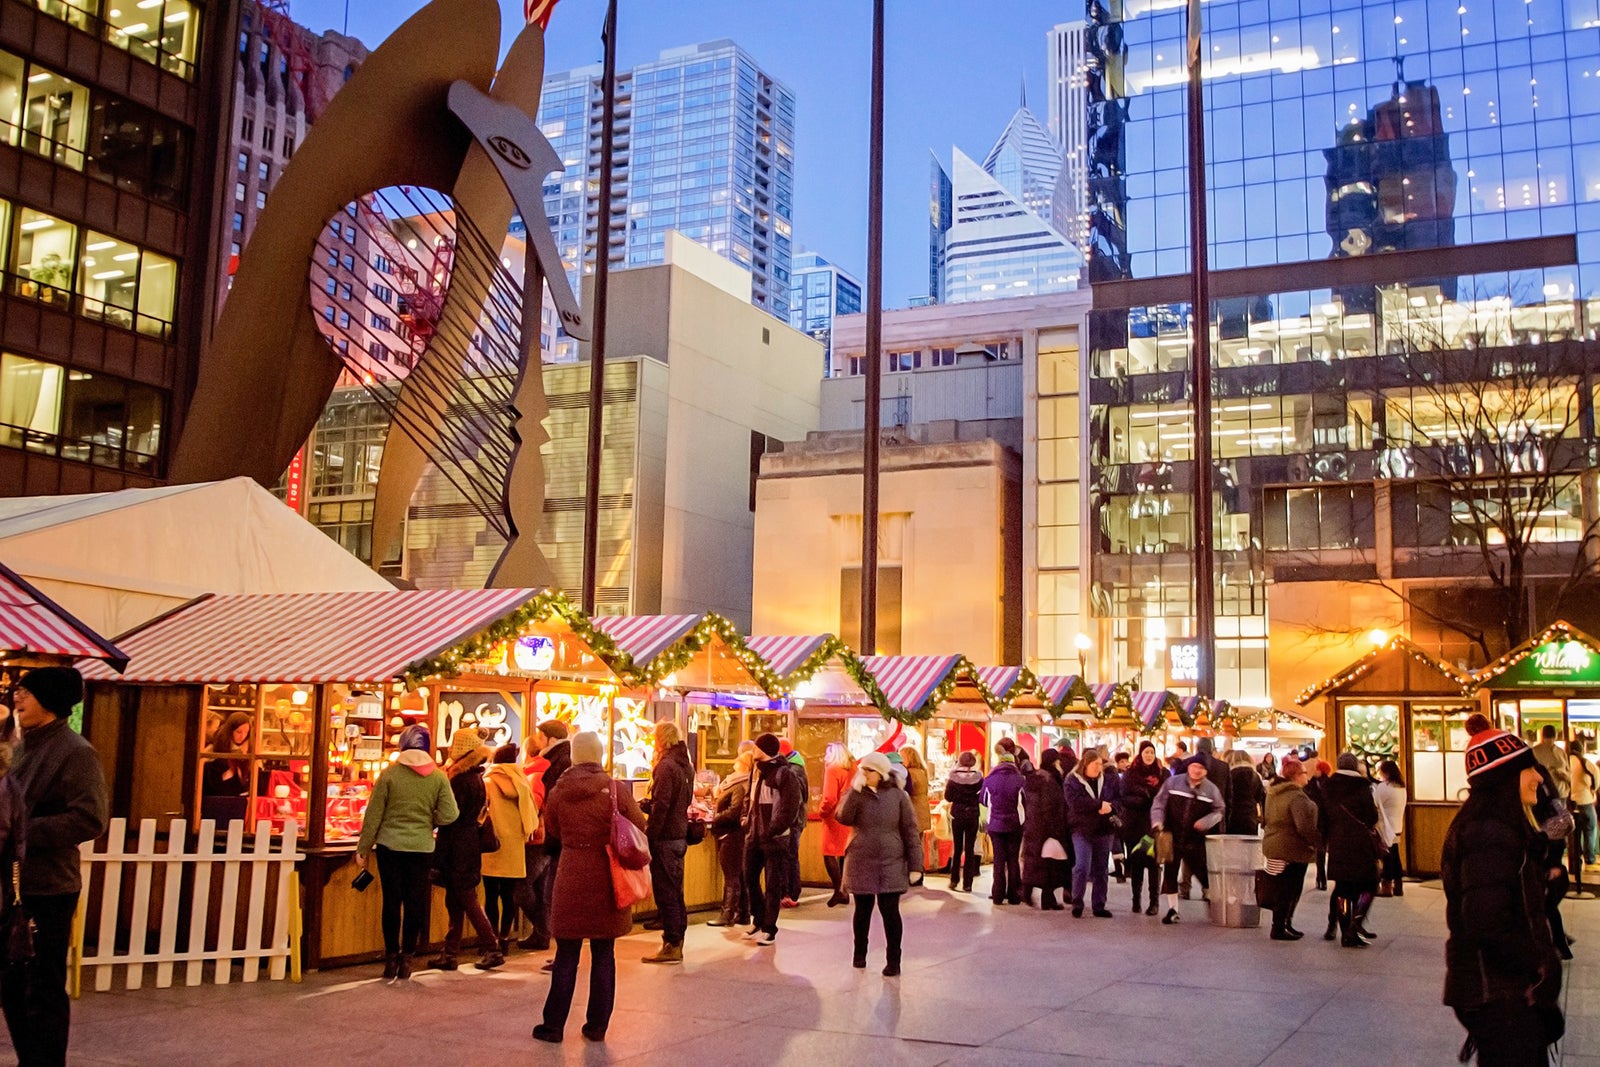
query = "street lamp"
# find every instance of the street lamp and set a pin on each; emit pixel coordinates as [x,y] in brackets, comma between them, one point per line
[1084,644]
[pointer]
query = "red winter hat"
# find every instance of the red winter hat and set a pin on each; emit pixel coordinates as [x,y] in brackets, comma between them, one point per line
[1496,751]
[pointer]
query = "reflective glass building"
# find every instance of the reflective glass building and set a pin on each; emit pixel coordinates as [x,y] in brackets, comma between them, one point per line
[822,292]
[704,145]
[1390,184]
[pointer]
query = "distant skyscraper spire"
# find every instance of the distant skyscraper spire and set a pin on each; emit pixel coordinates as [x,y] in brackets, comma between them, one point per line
[1024,89]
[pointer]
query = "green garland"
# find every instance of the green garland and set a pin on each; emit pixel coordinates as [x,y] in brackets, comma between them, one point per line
[481,646]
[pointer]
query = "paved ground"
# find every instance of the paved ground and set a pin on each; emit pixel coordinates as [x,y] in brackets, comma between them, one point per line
[981,986]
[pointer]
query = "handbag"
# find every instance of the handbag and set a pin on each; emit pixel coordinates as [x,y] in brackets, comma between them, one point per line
[1266,889]
[628,845]
[694,831]
[1164,847]
[1380,847]
[488,840]
[628,886]
[16,926]
[1052,850]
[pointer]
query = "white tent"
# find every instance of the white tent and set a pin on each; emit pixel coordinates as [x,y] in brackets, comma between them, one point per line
[116,560]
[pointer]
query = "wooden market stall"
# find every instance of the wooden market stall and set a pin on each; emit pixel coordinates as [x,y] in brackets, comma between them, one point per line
[35,631]
[1399,702]
[325,682]
[705,677]
[1552,679]
[1024,710]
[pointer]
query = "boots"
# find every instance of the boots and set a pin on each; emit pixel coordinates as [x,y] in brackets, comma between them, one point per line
[726,918]
[669,953]
[1384,888]
[1358,918]
[892,968]
[391,966]
[1399,887]
[404,966]
[1347,912]
[835,866]
[1136,888]
[1333,919]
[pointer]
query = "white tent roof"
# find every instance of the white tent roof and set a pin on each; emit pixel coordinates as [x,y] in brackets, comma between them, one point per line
[116,560]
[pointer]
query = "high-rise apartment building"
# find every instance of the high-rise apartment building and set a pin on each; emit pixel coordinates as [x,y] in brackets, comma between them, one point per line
[822,292]
[108,173]
[1393,187]
[1066,67]
[704,146]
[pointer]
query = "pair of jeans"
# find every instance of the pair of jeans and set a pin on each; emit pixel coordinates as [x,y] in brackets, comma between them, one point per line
[564,981]
[666,883]
[461,904]
[888,905]
[1091,855]
[1588,833]
[1290,884]
[735,893]
[531,894]
[1007,867]
[407,898]
[500,903]
[766,868]
[963,852]
[34,995]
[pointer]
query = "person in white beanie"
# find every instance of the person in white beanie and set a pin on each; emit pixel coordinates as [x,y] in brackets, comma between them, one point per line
[883,853]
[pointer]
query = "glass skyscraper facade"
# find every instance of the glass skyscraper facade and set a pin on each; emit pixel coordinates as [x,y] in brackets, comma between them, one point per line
[704,145]
[1386,180]
[822,291]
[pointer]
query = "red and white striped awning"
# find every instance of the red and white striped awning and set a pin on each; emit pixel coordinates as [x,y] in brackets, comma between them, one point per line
[999,679]
[1150,704]
[308,637]
[33,624]
[908,681]
[644,637]
[785,655]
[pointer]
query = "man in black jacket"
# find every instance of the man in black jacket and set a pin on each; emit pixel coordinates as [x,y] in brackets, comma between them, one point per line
[775,805]
[64,792]
[671,790]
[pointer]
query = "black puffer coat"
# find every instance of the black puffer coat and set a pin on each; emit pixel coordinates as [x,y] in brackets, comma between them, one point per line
[456,854]
[1349,815]
[1138,789]
[1247,794]
[1046,810]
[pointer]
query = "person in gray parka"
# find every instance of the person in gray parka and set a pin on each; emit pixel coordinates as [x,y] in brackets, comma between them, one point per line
[885,849]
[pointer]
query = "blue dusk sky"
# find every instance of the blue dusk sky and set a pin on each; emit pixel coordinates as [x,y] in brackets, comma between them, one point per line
[954,74]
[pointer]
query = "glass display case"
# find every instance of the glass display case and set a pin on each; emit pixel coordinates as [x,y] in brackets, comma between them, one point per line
[255,755]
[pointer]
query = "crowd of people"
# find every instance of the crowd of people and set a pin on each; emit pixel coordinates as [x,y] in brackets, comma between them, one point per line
[538,833]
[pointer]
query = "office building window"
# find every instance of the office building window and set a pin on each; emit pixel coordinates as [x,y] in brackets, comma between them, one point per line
[90,418]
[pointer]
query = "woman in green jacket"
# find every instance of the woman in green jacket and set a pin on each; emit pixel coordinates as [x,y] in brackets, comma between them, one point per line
[410,798]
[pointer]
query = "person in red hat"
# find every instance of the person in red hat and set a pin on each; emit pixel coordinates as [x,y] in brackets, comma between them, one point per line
[1502,969]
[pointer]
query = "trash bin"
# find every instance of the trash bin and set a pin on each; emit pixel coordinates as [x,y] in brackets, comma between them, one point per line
[1232,861]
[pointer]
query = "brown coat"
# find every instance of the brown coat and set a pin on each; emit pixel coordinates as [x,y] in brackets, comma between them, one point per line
[578,816]
[917,790]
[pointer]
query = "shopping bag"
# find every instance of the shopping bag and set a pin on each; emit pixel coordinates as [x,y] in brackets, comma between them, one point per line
[1052,850]
[1266,889]
[1164,849]
[629,886]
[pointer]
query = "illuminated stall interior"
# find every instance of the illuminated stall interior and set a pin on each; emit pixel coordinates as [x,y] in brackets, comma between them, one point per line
[1553,679]
[1026,712]
[1399,702]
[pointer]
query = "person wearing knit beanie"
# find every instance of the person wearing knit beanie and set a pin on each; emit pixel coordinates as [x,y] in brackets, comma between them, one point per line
[458,853]
[587,747]
[1502,963]
[769,746]
[467,742]
[56,689]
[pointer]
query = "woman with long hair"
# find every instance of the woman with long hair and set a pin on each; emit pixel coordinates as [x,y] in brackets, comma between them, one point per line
[1349,820]
[727,826]
[1136,791]
[1502,970]
[459,856]
[1247,794]
[227,770]
[515,818]
[884,851]
[1289,844]
[1090,795]
[838,770]
[1390,794]
[917,790]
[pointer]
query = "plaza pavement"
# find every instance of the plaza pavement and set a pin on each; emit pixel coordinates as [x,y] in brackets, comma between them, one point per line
[981,986]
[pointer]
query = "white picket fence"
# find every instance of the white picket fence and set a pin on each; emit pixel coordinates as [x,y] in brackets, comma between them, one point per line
[186,880]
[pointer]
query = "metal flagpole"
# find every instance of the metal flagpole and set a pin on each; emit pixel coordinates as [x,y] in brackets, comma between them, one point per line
[1200,366]
[597,343]
[874,401]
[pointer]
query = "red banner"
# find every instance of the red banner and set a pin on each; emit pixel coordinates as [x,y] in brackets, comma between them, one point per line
[297,480]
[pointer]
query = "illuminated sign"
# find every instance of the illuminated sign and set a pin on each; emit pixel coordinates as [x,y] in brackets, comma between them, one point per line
[1557,663]
[533,654]
[1183,663]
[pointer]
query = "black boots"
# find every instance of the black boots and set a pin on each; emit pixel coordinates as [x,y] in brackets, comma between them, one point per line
[835,866]
[1358,918]
[391,966]
[1333,919]
[1349,922]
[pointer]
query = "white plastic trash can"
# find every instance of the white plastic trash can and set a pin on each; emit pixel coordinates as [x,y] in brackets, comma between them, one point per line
[1231,862]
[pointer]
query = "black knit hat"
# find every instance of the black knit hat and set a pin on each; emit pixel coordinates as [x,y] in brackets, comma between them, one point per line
[768,744]
[1493,753]
[57,689]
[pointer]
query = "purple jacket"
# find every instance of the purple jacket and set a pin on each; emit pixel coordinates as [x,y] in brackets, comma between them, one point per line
[1001,789]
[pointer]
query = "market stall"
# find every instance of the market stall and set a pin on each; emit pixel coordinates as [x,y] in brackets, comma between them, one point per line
[1399,702]
[318,686]
[1264,731]
[35,631]
[1025,712]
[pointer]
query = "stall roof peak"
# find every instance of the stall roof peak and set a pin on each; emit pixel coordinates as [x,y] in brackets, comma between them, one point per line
[1560,630]
[1367,663]
[32,623]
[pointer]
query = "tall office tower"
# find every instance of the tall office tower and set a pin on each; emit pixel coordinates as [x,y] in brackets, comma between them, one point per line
[285,75]
[1365,225]
[941,208]
[1066,70]
[704,145]
[822,291]
[109,166]
[996,245]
